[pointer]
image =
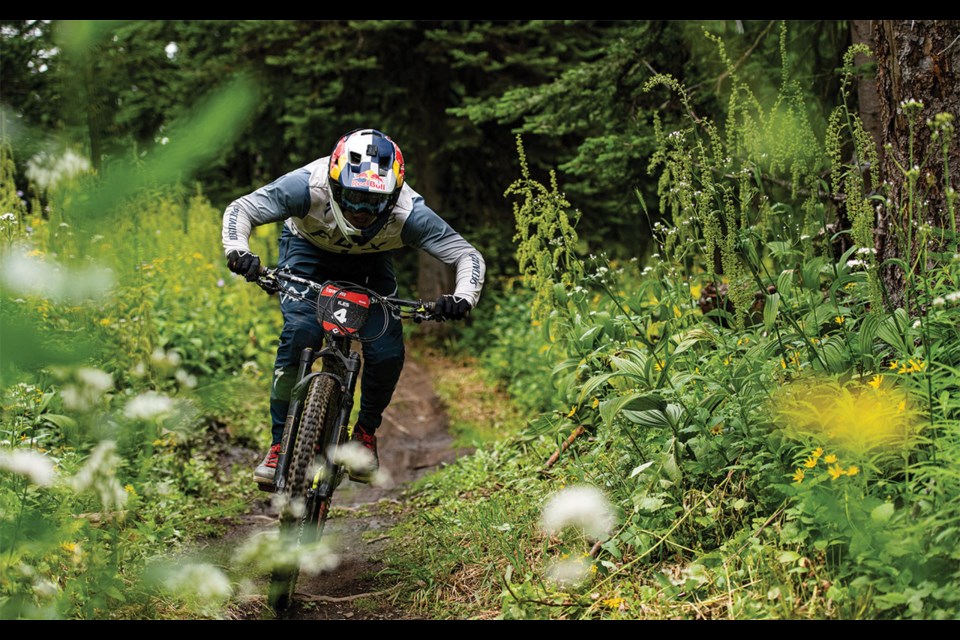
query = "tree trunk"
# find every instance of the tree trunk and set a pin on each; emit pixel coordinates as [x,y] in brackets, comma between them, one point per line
[917,62]
[868,100]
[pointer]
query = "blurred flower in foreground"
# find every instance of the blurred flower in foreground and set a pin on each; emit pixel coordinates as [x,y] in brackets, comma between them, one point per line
[858,418]
[358,459]
[34,466]
[99,474]
[85,391]
[147,405]
[203,581]
[31,274]
[265,551]
[569,573]
[584,507]
[46,170]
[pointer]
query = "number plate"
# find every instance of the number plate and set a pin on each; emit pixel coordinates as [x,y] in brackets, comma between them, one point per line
[341,311]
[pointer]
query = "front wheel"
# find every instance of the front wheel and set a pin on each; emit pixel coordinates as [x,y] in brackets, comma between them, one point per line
[305,507]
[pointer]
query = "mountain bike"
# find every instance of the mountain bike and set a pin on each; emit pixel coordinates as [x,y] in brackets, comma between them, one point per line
[308,469]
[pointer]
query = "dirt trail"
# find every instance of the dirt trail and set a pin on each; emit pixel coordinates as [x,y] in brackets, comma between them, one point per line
[412,441]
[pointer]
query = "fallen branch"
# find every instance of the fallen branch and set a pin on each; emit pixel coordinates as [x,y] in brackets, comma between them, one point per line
[356,596]
[566,445]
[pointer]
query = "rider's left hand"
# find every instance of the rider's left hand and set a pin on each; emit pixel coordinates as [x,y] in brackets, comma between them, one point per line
[452,307]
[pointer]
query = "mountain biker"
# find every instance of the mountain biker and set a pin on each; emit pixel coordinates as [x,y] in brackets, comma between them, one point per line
[343,216]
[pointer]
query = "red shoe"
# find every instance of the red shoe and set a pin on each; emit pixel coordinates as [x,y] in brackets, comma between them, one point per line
[268,468]
[369,442]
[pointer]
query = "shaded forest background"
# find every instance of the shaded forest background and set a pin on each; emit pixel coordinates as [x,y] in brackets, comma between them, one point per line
[454,94]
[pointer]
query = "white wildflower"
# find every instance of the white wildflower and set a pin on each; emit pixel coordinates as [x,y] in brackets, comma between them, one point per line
[24,272]
[856,263]
[316,557]
[939,301]
[86,391]
[584,507]
[99,474]
[185,379]
[569,573]
[352,455]
[45,588]
[953,296]
[148,405]
[203,581]
[165,358]
[46,171]
[35,466]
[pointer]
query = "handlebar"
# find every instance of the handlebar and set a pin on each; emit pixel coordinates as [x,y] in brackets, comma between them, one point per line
[416,310]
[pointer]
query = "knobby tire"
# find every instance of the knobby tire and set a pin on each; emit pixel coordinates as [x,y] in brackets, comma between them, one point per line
[317,425]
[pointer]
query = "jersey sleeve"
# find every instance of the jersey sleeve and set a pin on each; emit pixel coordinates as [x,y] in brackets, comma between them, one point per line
[287,196]
[426,230]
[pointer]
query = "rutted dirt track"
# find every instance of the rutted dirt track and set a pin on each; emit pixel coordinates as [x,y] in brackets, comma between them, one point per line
[412,441]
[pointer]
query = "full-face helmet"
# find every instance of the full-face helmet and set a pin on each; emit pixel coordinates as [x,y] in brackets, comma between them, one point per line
[366,176]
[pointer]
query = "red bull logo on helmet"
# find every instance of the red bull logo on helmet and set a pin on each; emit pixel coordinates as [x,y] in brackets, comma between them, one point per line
[368,180]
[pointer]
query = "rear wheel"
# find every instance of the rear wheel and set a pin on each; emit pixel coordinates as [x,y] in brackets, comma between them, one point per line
[304,511]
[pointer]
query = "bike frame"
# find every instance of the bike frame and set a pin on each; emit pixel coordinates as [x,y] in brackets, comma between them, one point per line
[337,352]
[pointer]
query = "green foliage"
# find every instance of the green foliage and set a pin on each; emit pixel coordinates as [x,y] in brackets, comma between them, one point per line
[132,337]
[775,442]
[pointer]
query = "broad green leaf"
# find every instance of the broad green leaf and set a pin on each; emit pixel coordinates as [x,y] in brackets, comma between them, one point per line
[641,468]
[868,333]
[882,513]
[788,557]
[634,402]
[770,310]
[890,330]
[785,282]
[61,421]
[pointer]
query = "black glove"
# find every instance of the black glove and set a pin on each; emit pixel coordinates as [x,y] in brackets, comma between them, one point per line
[244,263]
[452,308]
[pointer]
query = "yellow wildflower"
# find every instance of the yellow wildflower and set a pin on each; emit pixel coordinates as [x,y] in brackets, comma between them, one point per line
[129,489]
[839,319]
[614,603]
[810,463]
[830,459]
[853,470]
[816,453]
[894,365]
[596,403]
[573,410]
[835,471]
[105,321]
[716,429]
[902,406]
[798,475]
[69,547]
[876,381]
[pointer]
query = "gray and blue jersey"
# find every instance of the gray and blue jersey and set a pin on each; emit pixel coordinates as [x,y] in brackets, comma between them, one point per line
[302,199]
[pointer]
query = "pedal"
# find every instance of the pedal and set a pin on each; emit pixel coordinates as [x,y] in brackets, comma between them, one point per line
[269,487]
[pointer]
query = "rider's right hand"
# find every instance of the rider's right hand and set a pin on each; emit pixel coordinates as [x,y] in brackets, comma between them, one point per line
[245,264]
